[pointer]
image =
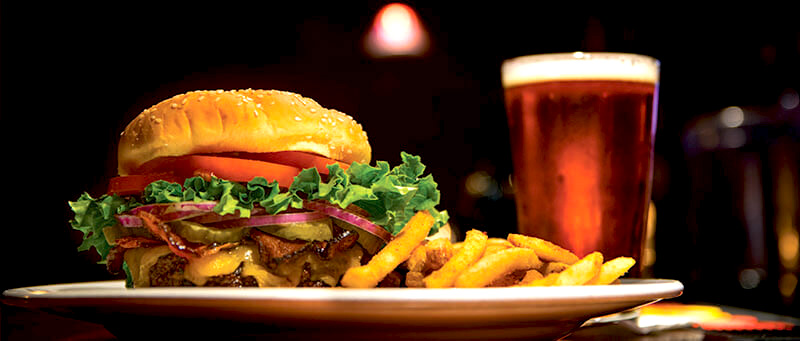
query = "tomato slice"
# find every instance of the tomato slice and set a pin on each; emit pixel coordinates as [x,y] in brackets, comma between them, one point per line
[228,168]
[300,160]
[134,184]
[178,168]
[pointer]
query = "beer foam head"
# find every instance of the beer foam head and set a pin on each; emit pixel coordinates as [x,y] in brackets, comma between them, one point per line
[579,66]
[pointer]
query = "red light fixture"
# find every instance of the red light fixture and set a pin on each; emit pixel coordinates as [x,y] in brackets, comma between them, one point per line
[396,31]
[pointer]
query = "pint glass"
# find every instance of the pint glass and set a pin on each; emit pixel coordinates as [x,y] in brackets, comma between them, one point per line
[582,128]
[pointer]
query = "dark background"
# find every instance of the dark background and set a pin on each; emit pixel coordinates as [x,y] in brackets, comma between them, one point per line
[72,74]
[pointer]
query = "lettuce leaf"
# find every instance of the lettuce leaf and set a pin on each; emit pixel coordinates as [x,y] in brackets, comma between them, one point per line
[92,215]
[391,196]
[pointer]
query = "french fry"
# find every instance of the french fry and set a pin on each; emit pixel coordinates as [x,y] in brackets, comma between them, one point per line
[437,252]
[499,242]
[496,244]
[491,249]
[611,270]
[541,282]
[554,267]
[546,251]
[508,279]
[469,253]
[414,279]
[398,250]
[430,255]
[416,261]
[530,276]
[492,267]
[581,271]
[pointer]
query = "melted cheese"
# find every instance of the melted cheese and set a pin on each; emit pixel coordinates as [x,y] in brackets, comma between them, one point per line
[224,262]
[140,261]
[198,270]
[264,277]
[320,270]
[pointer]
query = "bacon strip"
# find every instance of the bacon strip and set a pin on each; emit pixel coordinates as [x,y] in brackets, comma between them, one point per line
[116,256]
[132,242]
[327,249]
[275,250]
[177,244]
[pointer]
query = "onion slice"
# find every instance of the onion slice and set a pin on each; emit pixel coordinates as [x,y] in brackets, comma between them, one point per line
[162,209]
[349,217]
[129,220]
[268,219]
[213,217]
[167,212]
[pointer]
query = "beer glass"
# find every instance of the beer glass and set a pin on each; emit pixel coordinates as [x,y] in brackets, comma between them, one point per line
[582,129]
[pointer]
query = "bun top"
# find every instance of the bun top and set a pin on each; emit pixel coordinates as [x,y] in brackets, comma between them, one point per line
[254,121]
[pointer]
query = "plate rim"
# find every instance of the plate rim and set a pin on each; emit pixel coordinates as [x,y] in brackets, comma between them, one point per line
[629,289]
[452,313]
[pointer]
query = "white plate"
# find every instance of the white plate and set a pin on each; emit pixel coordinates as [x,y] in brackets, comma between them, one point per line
[483,313]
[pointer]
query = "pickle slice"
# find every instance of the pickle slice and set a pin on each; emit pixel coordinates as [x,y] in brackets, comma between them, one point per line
[317,230]
[112,233]
[198,233]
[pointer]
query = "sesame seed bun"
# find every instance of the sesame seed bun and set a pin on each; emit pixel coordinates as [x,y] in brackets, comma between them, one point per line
[254,121]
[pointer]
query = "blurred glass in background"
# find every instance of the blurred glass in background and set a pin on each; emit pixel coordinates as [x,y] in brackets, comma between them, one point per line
[743,208]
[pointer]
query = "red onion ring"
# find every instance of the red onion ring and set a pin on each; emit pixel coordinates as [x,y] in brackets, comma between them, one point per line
[349,217]
[268,219]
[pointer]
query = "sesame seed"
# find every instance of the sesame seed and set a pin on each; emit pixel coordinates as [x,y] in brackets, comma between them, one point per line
[184,101]
[202,97]
[297,118]
[255,113]
[258,105]
[313,110]
[173,105]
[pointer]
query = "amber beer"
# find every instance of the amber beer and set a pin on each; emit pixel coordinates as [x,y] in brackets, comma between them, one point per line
[582,130]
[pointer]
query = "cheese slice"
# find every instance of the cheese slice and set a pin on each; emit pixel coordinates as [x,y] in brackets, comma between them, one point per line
[198,270]
[140,260]
[227,261]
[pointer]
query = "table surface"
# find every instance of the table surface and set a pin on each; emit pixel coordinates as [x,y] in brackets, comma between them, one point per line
[26,324]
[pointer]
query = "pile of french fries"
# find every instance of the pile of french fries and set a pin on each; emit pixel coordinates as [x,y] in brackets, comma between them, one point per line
[479,261]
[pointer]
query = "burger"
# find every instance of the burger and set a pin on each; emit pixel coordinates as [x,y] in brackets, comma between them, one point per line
[248,188]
